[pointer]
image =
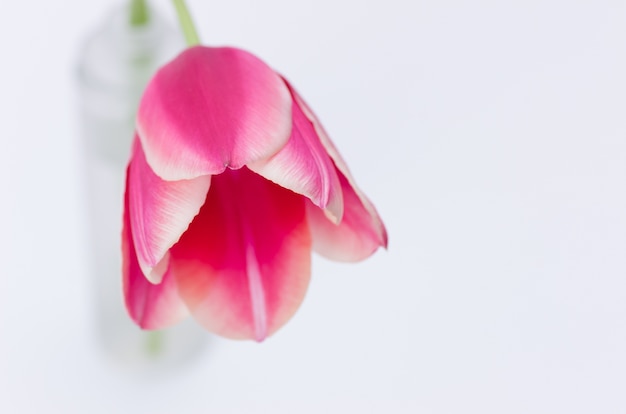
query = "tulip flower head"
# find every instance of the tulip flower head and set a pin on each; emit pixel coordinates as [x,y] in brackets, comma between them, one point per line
[232,182]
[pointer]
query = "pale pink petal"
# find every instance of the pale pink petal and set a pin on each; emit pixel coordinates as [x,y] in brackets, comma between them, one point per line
[150,306]
[243,266]
[212,108]
[363,209]
[160,211]
[304,167]
[321,133]
[357,236]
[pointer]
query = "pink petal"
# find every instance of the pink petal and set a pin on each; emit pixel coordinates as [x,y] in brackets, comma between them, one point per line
[160,211]
[361,231]
[304,167]
[150,306]
[212,108]
[243,266]
[357,236]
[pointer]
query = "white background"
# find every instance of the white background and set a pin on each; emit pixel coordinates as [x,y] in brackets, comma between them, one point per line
[491,135]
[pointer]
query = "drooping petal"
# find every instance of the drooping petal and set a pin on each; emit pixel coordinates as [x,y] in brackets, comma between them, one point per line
[212,108]
[357,236]
[150,306]
[361,231]
[304,167]
[243,266]
[160,211]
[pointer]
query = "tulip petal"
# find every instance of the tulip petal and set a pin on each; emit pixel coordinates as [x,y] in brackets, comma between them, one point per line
[361,231]
[304,167]
[357,236]
[212,108]
[243,266]
[160,211]
[150,306]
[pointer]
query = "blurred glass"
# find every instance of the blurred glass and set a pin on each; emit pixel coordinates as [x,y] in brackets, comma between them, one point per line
[115,63]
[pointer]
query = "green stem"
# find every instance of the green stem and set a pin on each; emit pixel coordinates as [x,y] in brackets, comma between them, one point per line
[189,30]
[139,13]
[154,343]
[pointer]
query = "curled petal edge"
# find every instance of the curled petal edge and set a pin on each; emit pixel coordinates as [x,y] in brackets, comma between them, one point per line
[149,306]
[159,212]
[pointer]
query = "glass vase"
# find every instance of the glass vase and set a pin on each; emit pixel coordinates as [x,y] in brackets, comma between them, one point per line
[115,63]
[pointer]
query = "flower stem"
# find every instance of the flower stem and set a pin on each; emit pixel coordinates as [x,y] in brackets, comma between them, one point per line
[154,343]
[139,13]
[189,30]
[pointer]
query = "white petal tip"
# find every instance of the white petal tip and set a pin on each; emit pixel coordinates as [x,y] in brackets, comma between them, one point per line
[154,274]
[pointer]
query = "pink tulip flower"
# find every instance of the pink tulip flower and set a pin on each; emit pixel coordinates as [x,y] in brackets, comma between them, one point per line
[231,184]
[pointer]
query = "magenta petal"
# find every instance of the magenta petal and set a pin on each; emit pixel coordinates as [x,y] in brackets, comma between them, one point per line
[324,139]
[212,108]
[361,230]
[243,266]
[150,306]
[160,211]
[304,167]
[358,235]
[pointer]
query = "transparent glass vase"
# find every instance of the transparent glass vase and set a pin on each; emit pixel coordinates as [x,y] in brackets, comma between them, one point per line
[115,63]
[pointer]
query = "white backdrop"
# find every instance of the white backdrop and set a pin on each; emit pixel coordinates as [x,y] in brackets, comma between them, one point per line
[492,137]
